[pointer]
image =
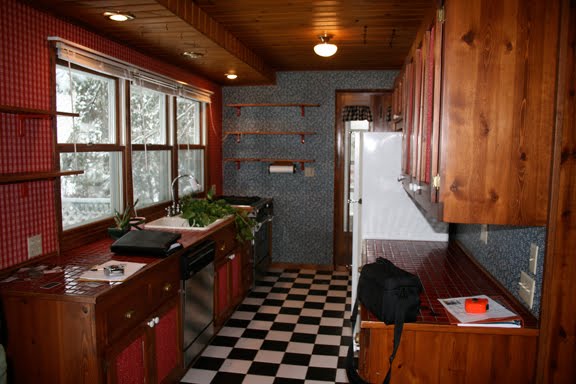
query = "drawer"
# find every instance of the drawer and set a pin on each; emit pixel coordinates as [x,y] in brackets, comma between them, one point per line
[165,282]
[225,239]
[126,307]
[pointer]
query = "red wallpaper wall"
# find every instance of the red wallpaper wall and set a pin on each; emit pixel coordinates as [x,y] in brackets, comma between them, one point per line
[29,209]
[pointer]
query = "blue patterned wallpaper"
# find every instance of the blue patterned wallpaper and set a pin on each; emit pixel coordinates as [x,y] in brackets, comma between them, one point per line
[506,254]
[303,206]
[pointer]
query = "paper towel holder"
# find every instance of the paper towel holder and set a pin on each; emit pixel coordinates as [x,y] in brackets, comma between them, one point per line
[282,167]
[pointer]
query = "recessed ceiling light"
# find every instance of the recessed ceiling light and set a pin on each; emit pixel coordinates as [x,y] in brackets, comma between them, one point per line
[231,76]
[193,54]
[118,16]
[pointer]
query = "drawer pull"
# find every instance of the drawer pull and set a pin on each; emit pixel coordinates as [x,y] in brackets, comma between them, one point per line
[167,287]
[129,314]
[223,247]
[231,257]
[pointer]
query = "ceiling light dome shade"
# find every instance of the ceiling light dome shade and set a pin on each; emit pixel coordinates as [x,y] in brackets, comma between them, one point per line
[119,16]
[325,49]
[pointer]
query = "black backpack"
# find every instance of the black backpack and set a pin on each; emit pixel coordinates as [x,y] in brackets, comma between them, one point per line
[393,296]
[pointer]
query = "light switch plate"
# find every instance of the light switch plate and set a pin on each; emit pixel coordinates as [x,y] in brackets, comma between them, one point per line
[526,289]
[34,246]
[533,258]
[484,233]
[309,172]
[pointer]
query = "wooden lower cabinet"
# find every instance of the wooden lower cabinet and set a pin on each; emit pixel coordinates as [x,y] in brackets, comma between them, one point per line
[129,333]
[228,285]
[448,354]
[233,272]
[149,353]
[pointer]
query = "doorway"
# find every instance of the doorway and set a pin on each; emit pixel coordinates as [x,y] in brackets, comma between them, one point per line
[380,103]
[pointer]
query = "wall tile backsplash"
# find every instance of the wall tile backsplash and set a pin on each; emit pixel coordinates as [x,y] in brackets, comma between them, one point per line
[506,254]
[303,206]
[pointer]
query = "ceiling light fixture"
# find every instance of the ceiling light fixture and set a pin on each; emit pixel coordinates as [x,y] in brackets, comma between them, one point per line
[231,76]
[118,16]
[325,49]
[193,54]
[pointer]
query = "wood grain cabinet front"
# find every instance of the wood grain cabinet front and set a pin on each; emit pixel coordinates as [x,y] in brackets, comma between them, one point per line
[478,112]
[130,333]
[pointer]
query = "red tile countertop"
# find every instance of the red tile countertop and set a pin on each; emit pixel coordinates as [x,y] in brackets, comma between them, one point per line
[445,271]
[71,264]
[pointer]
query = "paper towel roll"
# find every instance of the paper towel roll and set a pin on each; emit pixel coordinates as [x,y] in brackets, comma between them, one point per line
[283,168]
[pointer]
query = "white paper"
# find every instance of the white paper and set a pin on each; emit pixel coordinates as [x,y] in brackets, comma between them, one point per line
[96,273]
[455,306]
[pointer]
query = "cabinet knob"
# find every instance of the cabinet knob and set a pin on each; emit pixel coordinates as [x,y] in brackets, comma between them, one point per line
[223,247]
[129,314]
[231,257]
[167,287]
[151,323]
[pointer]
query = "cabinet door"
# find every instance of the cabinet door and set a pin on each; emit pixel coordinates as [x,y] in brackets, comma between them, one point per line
[236,281]
[151,353]
[167,351]
[127,362]
[222,291]
[500,61]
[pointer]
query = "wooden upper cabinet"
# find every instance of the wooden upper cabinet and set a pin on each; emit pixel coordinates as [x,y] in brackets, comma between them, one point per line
[492,112]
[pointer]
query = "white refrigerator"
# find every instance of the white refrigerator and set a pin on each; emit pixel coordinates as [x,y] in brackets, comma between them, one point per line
[386,211]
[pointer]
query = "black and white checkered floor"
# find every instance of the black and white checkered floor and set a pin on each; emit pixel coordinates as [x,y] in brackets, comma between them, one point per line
[293,328]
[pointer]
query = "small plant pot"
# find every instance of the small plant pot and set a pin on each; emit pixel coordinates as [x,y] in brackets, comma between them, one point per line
[117,233]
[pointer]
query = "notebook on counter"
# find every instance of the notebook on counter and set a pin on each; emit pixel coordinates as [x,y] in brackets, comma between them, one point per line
[147,243]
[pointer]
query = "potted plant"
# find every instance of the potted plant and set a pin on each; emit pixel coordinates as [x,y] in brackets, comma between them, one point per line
[203,212]
[123,221]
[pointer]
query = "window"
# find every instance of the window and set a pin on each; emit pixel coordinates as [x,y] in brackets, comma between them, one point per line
[129,130]
[151,156]
[191,146]
[88,142]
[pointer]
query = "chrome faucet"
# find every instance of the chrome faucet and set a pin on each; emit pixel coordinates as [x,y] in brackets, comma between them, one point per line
[175,208]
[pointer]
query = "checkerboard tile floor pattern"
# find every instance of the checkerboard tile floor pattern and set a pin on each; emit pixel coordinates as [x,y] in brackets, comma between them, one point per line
[293,328]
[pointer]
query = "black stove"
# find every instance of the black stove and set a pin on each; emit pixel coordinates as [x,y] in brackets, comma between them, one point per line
[261,209]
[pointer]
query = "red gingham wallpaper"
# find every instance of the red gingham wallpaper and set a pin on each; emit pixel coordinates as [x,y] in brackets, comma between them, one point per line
[28,209]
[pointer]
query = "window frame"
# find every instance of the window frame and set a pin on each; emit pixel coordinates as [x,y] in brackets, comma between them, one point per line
[77,235]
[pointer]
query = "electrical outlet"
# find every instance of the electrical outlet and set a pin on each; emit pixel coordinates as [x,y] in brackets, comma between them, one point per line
[533,258]
[484,233]
[526,289]
[34,246]
[309,172]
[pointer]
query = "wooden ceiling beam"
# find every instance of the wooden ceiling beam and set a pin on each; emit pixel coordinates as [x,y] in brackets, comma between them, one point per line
[203,23]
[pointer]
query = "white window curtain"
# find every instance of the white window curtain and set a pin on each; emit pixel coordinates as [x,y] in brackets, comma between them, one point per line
[99,62]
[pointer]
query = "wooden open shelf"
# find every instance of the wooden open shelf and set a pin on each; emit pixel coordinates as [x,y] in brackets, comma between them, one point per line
[238,161]
[239,134]
[9,178]
[34,113]
[302,106]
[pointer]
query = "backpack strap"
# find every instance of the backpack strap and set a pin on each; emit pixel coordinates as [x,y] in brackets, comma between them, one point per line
[351,369]
[398,327]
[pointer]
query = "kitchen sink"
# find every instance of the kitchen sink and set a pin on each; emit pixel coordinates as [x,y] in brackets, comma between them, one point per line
[177,222]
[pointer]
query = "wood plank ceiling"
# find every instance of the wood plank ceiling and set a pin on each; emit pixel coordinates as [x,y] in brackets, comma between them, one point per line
[256,38]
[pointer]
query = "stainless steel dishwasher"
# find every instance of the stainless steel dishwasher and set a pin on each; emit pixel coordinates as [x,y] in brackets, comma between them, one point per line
[197,267]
